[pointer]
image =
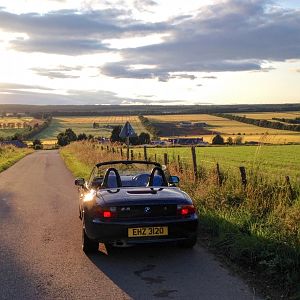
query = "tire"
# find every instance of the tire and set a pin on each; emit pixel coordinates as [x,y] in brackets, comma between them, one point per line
[190,243]
[88,245]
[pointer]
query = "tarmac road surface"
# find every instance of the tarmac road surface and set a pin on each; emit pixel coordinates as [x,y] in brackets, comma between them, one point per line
[41,256]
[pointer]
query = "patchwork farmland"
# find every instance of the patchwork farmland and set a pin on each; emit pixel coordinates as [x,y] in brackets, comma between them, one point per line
[85,125]
[11,125]
[227,128]
[200,125]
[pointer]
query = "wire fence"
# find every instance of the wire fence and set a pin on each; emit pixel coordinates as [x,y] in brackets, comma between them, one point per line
[196,167]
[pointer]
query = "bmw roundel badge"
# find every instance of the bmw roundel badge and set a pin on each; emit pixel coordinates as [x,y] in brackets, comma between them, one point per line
[147,210]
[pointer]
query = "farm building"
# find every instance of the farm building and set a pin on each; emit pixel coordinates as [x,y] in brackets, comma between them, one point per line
[187,141]
[200,124]
[185,124]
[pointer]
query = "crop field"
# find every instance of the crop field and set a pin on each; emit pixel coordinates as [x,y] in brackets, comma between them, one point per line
[85,125]
[274,160]
[225,127]
[11,125]
[269,115]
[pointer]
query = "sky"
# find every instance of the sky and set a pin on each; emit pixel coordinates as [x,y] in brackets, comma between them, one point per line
[149,52]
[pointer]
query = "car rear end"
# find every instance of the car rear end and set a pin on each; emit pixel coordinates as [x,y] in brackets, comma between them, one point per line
[143,222]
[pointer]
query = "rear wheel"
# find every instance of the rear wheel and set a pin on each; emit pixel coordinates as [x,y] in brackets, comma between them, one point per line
[88,245]
[190,243]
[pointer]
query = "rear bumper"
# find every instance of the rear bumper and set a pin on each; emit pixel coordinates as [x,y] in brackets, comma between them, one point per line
[109,232]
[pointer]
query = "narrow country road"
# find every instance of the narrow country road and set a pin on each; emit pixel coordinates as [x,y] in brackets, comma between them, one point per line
[41,256]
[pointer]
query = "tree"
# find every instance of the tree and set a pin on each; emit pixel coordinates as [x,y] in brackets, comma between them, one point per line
[65,138]
[238,140]
[71,135]
[81,137]
[229,140]
[37,144]
[115,134]
[144,138]
[218,140]
[62,139]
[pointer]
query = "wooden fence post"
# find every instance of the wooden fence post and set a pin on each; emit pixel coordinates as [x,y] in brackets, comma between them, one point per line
[166,159]
[194,158]
[145,153]
[155,157]
[219,175]
[179,164]
[290,189]
[243,176]
[131,154]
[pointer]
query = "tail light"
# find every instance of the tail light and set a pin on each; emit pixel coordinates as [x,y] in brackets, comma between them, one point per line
[185,210]
[106,212]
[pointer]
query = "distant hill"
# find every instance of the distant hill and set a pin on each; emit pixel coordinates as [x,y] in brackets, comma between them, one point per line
[105,110]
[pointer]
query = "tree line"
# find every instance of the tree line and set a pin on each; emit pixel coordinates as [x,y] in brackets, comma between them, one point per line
[30,131]
[260,123]
[290,121]
[149,126]
[68,136]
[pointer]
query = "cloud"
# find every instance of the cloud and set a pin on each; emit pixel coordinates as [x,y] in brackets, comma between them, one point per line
[231,35]
[73,32]
[72,97]
[60,72]
[143,5]
[8,87]
[209,77]
[60,46]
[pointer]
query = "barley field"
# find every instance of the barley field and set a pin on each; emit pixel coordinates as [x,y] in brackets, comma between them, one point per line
[269,115]
[228,128]
[85,125]
[7,132]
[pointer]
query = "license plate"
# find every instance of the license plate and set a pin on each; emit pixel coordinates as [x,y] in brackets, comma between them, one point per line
[147,231]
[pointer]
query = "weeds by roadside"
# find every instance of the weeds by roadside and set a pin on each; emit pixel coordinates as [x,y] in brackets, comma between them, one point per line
[10,155]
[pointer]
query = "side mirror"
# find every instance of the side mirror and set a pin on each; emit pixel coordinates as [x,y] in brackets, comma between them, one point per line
[79,182]
[174,180]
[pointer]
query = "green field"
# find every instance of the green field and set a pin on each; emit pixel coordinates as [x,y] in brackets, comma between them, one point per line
[85,125]
[277,161]
[4,133]
[8,132]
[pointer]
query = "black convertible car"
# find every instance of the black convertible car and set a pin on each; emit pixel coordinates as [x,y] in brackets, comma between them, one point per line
[134,202]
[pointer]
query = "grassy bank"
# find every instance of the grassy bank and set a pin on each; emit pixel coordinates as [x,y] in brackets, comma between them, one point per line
[256,227]
[10,155]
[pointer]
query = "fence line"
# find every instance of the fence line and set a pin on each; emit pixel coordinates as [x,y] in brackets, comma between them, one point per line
[191,165]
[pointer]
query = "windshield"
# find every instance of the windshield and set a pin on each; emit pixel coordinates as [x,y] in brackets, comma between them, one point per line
[127,169]
[132,174]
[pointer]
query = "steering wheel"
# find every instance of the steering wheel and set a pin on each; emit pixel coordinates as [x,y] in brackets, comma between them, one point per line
[161,173]
[106,177]
[141,179]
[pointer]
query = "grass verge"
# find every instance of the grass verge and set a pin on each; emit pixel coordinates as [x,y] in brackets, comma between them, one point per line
[9,155]
[256,227]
